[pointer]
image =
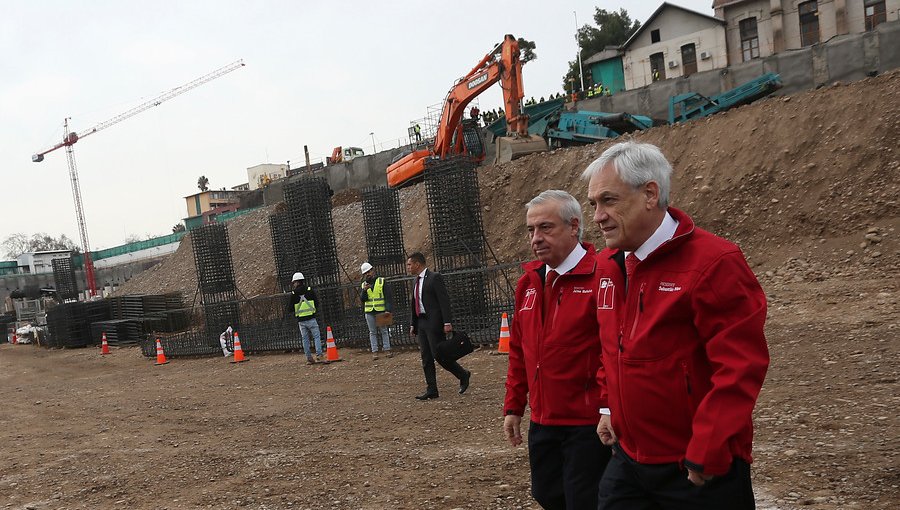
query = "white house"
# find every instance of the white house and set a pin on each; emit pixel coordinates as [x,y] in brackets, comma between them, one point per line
[260,175]
[674,42]
[40,261]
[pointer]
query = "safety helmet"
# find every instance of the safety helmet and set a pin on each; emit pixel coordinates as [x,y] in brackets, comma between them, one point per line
[365,268]
[297,277]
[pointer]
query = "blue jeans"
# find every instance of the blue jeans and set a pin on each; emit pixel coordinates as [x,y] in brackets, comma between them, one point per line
[373,334]
[310,327]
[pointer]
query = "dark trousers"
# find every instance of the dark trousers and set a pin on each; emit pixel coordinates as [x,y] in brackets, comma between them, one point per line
[566,465]
[628,485]
[429,336]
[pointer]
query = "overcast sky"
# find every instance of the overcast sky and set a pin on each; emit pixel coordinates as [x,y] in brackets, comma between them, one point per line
[317,73]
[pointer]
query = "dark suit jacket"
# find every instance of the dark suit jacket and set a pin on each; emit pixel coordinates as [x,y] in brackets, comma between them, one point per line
[436,301]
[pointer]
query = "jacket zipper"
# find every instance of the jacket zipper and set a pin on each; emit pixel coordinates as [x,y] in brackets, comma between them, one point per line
[637,316]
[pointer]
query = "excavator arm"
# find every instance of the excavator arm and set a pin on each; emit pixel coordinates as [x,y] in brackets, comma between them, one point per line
[507,69]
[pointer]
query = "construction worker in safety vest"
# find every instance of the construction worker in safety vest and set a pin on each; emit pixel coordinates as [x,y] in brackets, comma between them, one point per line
[418,130]
[303,304]
[376,302]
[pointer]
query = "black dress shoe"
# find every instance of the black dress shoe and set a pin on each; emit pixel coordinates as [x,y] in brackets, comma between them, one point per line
[427,396]
[464,382]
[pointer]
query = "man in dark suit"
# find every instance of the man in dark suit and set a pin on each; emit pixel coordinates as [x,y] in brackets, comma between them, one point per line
[431,321]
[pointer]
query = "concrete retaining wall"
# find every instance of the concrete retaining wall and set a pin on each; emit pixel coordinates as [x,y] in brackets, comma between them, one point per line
[844,58]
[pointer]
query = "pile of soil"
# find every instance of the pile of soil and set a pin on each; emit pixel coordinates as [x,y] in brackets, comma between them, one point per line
[807,185]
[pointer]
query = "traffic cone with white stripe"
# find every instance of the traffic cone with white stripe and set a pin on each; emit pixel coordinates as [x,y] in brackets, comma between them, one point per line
[238,352]
[331,353]
[104,346]
[15,339]
[160,355]
[503,346]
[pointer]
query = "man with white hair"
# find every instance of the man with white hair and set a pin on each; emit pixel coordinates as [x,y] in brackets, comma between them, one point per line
[554,356]
[681,323]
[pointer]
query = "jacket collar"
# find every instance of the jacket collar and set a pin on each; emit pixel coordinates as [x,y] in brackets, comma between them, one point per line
[682,233]
[584,266]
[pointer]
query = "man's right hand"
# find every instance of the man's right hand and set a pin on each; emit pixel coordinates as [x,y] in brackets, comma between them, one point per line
[412,331]
[605,431]
[512,427]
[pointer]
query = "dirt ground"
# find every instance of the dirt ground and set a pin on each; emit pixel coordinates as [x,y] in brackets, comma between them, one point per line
[807,185]
[84,431]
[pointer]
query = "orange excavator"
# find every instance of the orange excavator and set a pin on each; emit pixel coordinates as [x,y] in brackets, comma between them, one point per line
[454,136]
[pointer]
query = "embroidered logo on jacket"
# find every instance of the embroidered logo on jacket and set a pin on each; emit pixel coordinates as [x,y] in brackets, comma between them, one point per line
[582,290]
[669,287]
[529,299]
[607,294]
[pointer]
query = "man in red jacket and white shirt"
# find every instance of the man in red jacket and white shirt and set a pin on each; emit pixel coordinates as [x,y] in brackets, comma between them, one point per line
[684,355]
[554,357]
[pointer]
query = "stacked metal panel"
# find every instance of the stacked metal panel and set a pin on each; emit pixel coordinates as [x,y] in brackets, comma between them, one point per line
[64,277]
[69,324]
[454,214]
[215,276]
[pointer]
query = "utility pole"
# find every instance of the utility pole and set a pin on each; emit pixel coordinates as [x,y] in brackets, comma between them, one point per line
[372,134]
[578,44]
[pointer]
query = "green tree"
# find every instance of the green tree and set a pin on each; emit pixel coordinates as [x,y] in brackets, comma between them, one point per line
[613,29]
[526,48]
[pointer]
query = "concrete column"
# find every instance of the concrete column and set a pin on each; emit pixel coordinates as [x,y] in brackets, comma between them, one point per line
[840,17]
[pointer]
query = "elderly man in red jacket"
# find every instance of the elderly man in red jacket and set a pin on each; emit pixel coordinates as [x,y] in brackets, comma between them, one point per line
[681,323]
[554,357]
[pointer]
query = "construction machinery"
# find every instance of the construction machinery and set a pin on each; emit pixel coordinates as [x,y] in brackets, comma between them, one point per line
[456,136]
[692,105]
[345,154]
[566,128]
[70,137]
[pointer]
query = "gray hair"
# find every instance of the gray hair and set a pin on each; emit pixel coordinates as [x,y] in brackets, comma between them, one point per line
[636,164]
[569,208]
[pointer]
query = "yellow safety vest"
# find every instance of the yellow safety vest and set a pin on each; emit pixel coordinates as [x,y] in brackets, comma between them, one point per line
[375,297]
[305,308]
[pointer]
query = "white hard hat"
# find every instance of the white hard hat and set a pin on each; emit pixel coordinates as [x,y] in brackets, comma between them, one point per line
[365,268]
[297,276]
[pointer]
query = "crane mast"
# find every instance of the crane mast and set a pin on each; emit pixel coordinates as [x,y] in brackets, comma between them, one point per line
[71,137]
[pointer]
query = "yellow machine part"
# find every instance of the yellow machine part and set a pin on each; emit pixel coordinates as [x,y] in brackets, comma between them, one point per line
[513,147]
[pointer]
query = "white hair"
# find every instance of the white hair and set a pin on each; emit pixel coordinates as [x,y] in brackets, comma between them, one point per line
[569,208]
[636,164]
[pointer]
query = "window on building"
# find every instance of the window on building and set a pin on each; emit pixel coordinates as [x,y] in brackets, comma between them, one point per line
[749,39]
[654,36]
[657,67]
[809,23]
[689,59]
[875,13]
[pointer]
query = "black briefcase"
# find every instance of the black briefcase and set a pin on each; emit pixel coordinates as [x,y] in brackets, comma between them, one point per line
[455,346]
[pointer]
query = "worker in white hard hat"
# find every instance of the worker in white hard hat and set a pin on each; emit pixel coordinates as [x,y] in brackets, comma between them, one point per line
[303,303]
[376,301]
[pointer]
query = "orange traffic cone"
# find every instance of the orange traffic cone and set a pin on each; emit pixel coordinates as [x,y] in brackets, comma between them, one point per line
[15,339]
[503,347]
[104,347]
[160,355]
[238,352]
[331,353]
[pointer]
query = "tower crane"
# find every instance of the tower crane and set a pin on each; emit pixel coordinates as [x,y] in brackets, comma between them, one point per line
[70,137]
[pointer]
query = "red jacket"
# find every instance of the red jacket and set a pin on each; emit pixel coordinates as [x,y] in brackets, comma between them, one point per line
[684,350]
[554,364]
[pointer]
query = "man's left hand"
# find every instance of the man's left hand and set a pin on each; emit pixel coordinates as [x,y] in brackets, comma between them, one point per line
[698,479]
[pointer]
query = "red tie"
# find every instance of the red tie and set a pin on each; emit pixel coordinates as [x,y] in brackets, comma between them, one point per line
[416,296]
[631,262]
[548,290]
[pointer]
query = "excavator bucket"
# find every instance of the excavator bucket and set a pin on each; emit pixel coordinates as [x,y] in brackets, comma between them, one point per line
[513,147]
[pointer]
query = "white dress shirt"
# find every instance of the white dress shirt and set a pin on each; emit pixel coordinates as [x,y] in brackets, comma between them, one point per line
[570,262]
[664,232]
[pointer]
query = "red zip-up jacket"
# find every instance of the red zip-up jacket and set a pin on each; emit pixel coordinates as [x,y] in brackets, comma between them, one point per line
[554,364]
[684,351]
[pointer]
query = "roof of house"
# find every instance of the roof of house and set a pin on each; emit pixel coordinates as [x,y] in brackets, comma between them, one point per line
[722,3]
[659,11]
[607,53]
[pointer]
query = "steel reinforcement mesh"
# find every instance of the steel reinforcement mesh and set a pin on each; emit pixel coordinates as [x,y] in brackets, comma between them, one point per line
[69,324]
[454,214]
[212,258]
[285,259]
[64,277]
[267,324]
[383,229]
[310,230]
